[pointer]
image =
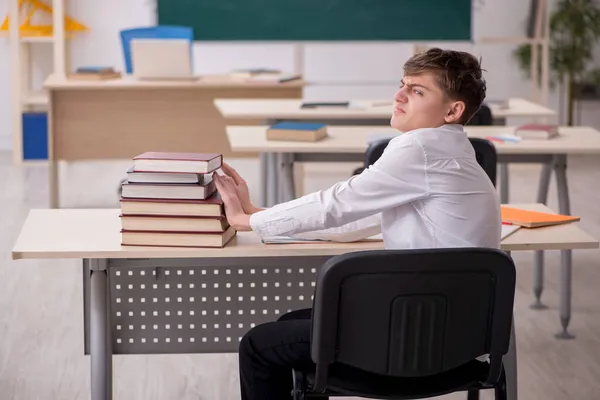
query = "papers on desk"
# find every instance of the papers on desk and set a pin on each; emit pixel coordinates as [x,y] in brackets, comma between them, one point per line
[508,230]
[295,240]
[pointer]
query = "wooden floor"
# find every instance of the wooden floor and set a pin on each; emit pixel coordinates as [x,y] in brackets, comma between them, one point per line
[41,351]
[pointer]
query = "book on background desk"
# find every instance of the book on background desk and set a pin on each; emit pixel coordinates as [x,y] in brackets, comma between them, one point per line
[297,131]
[537,131]
[533,219]
[199,163]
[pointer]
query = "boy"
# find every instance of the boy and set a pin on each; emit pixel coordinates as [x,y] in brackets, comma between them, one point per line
[426,191]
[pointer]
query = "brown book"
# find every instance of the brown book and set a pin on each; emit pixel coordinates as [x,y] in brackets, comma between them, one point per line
[165,223]
[199,163]
[190,191]
[177,239]
[211,207]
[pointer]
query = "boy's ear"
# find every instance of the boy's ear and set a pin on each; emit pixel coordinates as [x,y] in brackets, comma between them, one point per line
[455,112]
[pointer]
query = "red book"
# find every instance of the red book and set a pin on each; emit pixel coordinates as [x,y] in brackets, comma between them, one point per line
[199,163]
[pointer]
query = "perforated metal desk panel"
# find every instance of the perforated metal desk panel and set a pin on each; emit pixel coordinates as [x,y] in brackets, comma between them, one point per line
[199,306]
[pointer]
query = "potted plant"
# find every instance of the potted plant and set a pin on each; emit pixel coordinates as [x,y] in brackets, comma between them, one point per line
[574,31]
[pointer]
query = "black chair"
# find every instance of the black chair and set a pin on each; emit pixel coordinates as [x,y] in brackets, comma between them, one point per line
[485,153]
[410,324]
[483,116]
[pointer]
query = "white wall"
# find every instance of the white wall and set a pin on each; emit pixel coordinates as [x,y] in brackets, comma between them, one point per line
[334,70]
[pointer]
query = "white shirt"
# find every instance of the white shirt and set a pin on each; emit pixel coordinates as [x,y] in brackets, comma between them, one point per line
[426,191]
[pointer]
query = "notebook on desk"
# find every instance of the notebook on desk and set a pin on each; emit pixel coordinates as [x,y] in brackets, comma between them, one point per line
[533,219]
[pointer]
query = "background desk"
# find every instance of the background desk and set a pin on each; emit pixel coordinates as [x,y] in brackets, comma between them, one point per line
[350,143]
[118,119]
[161,300]
[273,110]
[276,109]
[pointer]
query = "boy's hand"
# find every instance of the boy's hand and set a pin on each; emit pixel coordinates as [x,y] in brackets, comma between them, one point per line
[234,211]
[241,189]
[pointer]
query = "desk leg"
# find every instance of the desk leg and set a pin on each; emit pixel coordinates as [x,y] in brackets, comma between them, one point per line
[264,177]
[286,177]
[53,183]
[273,178]
[538,271]
[564,206]
[510,365]
[504,183]
[100,341]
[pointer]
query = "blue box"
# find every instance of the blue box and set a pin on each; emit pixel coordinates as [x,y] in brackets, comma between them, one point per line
[35,136]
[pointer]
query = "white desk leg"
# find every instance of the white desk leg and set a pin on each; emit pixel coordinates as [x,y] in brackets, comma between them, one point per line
[564,206]
[538,271]
[273,178]
[288,185]
[504,183]
[100,341]
[510,365]
[53,182]
[264,177]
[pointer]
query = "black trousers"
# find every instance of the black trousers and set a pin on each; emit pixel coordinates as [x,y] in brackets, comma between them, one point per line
[269,351]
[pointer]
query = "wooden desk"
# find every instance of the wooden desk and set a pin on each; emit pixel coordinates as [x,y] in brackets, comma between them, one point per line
[157,300]
[118,119]
[276,109]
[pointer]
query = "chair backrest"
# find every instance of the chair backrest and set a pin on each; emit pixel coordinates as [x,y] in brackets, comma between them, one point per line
[483,116]
[485,153]
[412,313]
[152,32]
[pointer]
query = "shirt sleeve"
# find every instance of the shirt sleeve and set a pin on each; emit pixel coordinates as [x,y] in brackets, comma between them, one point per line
[398,177]
[350,232]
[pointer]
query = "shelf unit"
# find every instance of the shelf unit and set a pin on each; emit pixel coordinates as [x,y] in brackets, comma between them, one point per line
[23,99]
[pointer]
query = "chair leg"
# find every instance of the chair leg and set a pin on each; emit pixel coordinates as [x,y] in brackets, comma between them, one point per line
[500,392]
[299,390]
[473,394]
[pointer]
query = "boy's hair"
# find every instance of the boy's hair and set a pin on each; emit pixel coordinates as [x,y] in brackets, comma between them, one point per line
[459,76]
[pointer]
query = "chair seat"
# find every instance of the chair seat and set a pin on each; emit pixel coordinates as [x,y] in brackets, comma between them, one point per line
[347,381]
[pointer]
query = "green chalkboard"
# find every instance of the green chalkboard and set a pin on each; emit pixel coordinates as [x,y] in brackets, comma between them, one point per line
[320,20]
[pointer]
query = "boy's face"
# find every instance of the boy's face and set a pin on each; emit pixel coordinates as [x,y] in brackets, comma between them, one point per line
[420,103]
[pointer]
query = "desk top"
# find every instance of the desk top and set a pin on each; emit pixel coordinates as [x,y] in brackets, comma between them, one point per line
[290,109]
[354,139]
[95,233]
[59,82]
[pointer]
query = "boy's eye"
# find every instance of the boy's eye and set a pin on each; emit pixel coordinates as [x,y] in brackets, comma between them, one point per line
[418,92]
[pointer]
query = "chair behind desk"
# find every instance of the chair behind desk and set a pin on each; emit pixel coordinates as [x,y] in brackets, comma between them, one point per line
[400,324]
[485,153]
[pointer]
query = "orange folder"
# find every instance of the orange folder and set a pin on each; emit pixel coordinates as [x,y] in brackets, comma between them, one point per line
[533,219]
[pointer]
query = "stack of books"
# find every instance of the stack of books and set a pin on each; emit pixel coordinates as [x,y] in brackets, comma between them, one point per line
[170,199]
